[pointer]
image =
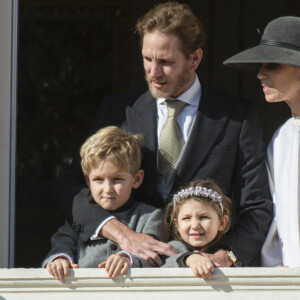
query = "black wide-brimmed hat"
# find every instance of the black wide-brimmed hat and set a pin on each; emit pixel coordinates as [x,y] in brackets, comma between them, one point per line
[280,44]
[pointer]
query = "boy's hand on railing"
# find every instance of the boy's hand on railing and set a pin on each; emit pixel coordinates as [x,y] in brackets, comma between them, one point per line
[115,265]
[59,268]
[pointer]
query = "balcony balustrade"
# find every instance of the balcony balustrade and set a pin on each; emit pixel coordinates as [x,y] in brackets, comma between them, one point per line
[227,283]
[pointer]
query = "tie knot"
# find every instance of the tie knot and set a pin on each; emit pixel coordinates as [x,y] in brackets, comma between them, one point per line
[174,107]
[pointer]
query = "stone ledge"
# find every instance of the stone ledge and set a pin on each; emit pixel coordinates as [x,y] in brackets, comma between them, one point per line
[228,283]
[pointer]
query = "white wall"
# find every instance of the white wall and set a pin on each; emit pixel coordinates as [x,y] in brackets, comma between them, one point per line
[7,104]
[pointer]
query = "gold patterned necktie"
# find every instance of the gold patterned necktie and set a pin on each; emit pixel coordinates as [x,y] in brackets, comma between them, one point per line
[171,140]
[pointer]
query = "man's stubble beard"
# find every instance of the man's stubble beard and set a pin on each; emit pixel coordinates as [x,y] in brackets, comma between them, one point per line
[176,88]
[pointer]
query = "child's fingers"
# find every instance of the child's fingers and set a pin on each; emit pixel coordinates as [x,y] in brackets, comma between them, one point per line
[118,268]
[207,273]
[203,272]
[59,270]
[115,265]
[102,265]
[112,267]
[122,266]
[210,267]
[49,269]
[74,266]
[54,271]
[63,270]
[109,262]
[125,267]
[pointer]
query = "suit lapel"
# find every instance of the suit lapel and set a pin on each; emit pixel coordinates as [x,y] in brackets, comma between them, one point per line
[142,118]
[209,124]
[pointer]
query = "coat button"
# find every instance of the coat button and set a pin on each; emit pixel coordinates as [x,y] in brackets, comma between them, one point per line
[113,247]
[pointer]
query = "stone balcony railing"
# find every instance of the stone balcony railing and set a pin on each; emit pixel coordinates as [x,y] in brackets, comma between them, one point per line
[227,283]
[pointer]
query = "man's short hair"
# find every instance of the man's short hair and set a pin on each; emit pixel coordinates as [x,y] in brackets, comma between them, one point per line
[176,19]
[114,144]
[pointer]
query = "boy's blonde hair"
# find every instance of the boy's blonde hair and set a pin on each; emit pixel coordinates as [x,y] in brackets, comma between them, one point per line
[173,208]
[114,144]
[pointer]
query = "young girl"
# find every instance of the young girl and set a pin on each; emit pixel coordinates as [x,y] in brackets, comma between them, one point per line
[197,216]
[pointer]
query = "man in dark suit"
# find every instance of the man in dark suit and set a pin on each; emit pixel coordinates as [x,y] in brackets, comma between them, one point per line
[221,139]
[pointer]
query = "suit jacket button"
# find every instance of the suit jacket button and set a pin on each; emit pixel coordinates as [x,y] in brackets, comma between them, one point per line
[113,247]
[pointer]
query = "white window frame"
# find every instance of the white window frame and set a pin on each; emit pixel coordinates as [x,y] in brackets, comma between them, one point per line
[8,117]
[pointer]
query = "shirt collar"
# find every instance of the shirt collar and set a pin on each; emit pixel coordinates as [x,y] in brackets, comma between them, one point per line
[191,96]
[297,120]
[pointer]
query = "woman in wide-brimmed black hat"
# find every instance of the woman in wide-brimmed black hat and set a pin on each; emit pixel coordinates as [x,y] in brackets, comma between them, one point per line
[277,61]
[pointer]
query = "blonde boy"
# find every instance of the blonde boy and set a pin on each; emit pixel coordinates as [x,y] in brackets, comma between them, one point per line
[110,160]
